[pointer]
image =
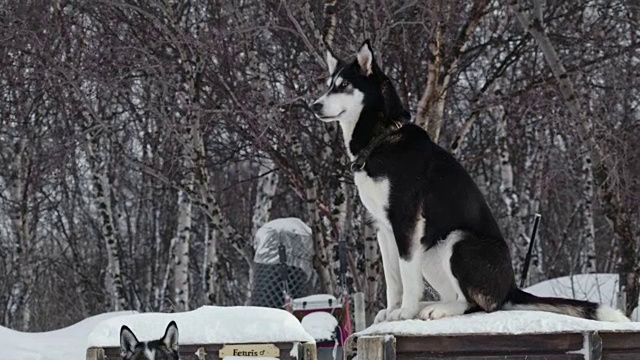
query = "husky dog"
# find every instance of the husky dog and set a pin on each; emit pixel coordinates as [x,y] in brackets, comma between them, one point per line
[433,222]
[164,349]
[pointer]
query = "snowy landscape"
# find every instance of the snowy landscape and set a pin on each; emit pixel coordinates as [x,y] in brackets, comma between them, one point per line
[254,325]
[160,160]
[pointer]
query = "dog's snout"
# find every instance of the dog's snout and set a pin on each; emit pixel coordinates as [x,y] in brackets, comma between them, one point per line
[316,107]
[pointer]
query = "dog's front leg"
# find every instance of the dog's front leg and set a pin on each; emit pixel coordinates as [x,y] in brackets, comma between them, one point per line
[391,267]
[411,272]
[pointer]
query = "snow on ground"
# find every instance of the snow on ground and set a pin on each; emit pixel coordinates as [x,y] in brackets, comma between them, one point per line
[499,322]
[208,324]
[69,343]
[600,288]
[320,325]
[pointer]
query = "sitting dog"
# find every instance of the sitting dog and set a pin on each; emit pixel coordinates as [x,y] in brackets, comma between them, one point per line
[433,222]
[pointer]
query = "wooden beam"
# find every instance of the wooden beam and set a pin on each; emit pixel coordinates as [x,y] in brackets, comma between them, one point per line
[94,353]
[377,347]
[307,351]
[593,345]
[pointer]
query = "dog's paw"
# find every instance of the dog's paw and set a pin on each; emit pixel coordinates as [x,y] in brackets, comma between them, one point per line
[381,316]
[403,313]
[441,310]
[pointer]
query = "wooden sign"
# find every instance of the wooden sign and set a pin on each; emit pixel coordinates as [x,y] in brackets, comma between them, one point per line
[249,350]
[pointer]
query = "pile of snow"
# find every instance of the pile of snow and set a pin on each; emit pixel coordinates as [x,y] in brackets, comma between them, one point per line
[320,325]
[499,322]
[600,288]
[69,343]
[317,301]
[208,324]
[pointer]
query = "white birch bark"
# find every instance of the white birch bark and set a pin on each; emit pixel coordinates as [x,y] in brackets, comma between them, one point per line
[268,180]
[516,232]
[17,312]
[443,67]
[102,188]
[266,187]
[617,215]
[321,261]
[588,249]
[181,253]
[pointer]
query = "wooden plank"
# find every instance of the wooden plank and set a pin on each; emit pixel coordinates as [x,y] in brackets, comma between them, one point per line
[492,344]
[349,348]
[418,356]
[593,342]
[193,352]
[307,351]
[615,341]
[94,353]
[377,348]
[634,355]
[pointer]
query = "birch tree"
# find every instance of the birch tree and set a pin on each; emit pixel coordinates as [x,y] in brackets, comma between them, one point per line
[629,268]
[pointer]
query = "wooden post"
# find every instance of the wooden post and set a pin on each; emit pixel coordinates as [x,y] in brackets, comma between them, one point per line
[349,348]
[201,353]
[307,351]
[377,347]
[94,353]
[593,346]
[359,311]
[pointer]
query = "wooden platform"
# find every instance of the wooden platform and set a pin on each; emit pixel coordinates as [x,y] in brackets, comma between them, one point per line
[306,351]
[591,345]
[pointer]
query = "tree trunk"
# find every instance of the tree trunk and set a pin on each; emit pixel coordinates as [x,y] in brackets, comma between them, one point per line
[102,187]
[629,268]
[588,248]
[443,67]
[181,253]
[211,284]
[17,313]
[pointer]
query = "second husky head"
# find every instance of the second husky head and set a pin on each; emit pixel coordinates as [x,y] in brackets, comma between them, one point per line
[164,349]
[357,87]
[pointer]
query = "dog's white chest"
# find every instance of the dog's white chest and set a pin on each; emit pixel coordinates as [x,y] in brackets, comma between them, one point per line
[374,194]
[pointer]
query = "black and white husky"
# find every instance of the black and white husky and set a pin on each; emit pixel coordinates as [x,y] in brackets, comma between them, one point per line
[164,349]
[433,222]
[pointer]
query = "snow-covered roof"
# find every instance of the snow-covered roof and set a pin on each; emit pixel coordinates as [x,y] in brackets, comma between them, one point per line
[600,288]
[294,234]
[208,324]
[67,343]
[499,322]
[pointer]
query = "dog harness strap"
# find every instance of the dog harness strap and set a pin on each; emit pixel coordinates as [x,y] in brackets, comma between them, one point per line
[363,155]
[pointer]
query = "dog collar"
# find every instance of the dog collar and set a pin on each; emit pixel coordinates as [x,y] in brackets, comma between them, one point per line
[360,161]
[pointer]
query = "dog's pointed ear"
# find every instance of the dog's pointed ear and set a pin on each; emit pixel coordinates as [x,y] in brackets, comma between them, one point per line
[170,338]
[332,61]
[365,58]
[128,341]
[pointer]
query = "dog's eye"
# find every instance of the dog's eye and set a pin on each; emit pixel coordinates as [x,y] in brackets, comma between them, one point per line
[343,85]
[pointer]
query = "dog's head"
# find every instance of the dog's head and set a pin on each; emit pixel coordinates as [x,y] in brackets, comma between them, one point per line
[356,86]
[164,349]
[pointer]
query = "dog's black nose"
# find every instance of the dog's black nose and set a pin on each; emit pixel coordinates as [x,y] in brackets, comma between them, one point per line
[317,107]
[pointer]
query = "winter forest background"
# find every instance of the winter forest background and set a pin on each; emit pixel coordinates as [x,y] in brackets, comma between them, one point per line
[142,143]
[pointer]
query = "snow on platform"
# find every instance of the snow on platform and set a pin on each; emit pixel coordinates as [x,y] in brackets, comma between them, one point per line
[69,343]
[208,324]
[499,322]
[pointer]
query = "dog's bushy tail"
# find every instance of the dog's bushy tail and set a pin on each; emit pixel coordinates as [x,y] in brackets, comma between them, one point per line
[522,300]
